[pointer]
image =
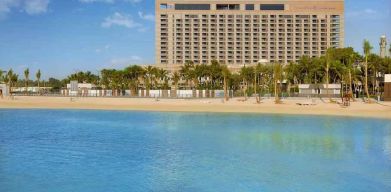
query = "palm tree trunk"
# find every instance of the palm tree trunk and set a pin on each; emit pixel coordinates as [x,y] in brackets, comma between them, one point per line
[39,88]
[255,88]
[176,89]
[276,98]
[327,81]
[351,85]
[366,77]
[9,88]
[225,89]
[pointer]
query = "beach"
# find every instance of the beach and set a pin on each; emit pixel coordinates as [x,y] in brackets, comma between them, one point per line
[234,105]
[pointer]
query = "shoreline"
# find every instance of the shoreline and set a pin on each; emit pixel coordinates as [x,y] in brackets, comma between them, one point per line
[212,105]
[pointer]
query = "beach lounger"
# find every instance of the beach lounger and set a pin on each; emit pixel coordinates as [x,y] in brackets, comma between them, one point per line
[306,103]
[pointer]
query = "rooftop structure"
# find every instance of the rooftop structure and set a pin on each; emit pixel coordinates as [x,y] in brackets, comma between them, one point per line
[383,46]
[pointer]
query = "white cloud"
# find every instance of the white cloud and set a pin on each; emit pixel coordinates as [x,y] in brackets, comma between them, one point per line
[6,5]
[105,48]
[124,62]
[370,11]
[31,7]
[142,29]
[118,19]
[148,17]
[365,12]
[36,6]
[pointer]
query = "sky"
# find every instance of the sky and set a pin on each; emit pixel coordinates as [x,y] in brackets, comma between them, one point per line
[61,37]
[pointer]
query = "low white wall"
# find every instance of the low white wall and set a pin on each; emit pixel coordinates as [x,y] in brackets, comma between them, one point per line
[4,89]
[142,93]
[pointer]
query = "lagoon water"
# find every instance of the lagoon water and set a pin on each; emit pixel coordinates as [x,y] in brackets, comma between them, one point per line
[100,151]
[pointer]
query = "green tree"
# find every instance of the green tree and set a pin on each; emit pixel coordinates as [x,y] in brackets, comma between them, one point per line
[1,75]
[38,76]
[162,76]
[226,74]
[367,47]
[26,79]
[11,79]
[132,75]
[187,71]
[150,77]
[176,77]
[304,68]
[277,78]
[247,74]
[55,84]
[83,77]
[292,75]
[389,50]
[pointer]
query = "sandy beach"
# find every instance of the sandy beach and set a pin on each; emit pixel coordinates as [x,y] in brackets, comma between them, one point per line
[236,105]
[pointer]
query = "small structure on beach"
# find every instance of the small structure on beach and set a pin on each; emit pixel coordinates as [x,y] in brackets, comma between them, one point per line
[322,90]
[79,89]
[3,90]
[387,87]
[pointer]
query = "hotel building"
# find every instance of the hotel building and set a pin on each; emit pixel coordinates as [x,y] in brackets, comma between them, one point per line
[239,32]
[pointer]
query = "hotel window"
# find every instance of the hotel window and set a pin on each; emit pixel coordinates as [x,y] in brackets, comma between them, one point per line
[249,6]
[272,7]
[163,6]
[228,7]
[192,6]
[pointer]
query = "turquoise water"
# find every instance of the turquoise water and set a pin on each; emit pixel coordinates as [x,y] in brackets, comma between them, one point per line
[97,151]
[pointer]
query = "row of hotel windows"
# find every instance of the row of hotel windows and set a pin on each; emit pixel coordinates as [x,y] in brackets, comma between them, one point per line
[249,7]
[248,21]
[263,16]
[231,61]
[238,50]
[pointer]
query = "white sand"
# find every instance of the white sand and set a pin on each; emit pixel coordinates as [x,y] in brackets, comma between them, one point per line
[357,109]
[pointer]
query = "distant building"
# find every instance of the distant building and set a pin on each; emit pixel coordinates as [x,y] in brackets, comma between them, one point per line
[81,86]
[79,89]
[383,46]
[387,87]
[239,32]
[4,90]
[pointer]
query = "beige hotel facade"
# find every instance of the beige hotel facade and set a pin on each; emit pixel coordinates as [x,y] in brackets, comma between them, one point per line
[239,32]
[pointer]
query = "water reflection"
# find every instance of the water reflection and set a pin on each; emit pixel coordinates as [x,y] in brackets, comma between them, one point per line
[387,144]
[329,139]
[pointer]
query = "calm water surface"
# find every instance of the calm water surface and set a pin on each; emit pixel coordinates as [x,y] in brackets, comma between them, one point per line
[96,151]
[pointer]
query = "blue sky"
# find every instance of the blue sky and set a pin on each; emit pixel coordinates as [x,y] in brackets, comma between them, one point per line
[64,36]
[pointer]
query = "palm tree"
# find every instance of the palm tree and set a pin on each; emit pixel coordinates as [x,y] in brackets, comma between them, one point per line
[292,75]
[107,79]
[162,77]
[176,77]
[38,76]
[11,78]
[1,75]
[389,50]
[132,75]
[150,75]
[247,74]
[277,73]
[26,78]
[327,73]
[367,51]
[187,72]
[225,73]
